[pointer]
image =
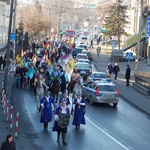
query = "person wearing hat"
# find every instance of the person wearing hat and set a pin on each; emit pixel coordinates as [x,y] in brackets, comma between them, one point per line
[46,109]
[62,109]
[55,75]
[74,78]
[78,111]
[63,81]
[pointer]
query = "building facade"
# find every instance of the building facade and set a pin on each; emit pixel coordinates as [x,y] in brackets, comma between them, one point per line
[4,21]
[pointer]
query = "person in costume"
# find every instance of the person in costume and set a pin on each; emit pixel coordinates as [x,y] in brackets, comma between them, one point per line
[78,111]
[46,109]
[61,109]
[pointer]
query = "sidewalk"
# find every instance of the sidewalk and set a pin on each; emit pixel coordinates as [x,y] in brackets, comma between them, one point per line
[128,93]
[22,142]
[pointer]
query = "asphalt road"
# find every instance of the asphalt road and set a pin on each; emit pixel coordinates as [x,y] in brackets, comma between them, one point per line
[107,128]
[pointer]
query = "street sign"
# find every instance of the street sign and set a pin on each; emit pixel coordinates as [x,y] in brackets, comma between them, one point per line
[147,28]
[129,56]
[13,36]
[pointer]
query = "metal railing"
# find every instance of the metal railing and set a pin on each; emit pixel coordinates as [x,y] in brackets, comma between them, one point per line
[143,82]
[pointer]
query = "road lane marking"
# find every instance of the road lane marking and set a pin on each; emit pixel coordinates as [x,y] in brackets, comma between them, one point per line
[111,137]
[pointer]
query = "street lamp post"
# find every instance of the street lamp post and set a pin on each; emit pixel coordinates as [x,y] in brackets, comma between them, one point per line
[139,35]
[8,46]
[14,28]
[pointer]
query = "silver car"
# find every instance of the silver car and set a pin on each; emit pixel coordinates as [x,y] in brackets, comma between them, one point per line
[101,92]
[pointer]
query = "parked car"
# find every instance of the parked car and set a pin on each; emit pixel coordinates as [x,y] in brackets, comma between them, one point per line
[89,55]
[80,56]
[101,92]
[99,76]
[76,51]
[117,55]
[83,68]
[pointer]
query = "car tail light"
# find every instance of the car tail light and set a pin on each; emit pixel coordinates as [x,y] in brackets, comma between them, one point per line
[97,90]
[118,92]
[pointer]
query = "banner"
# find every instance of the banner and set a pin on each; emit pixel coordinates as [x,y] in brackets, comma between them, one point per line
[70,65]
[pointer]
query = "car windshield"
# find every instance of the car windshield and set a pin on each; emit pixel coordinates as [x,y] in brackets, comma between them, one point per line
[82,66]
[107,88]
[98,75]
[87,53]
[81,57]
[78,50]
[86,61]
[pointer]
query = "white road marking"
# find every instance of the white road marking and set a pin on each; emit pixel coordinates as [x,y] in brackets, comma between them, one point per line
[111,137]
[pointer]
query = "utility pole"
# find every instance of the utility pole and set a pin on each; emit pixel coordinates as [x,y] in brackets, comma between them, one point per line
[14,28]
[139,34]
[8,46]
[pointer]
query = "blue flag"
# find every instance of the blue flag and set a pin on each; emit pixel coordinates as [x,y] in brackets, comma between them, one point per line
[30,73]
[51,68]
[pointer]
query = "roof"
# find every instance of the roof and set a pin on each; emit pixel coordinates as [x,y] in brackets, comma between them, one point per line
[105,83]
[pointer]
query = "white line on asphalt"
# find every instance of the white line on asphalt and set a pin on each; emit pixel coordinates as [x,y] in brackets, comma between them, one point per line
[111,137]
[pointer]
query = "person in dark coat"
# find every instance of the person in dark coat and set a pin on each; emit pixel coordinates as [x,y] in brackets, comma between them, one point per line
[109,69]
[127,75]
[116,69]
[46,109]
[63,82]
[9,144]
[78,111]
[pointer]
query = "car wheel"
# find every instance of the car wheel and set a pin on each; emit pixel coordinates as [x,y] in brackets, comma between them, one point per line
[115,104]
[91,100]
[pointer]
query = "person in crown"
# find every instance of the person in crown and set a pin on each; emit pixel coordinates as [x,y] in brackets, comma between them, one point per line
[62,109]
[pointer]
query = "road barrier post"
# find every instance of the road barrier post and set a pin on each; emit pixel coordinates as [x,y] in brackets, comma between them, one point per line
[11,117]
[7,110]
[3,92]
[4,104]
[16,130]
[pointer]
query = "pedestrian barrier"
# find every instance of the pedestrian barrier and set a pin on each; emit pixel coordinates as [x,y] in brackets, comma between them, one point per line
[11,117]
[16,129]
[3,92]
[7,110]
[4,104]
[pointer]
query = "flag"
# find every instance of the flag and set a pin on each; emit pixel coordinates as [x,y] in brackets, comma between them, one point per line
[70,65]
[30,73]
[51,69]
[26,64]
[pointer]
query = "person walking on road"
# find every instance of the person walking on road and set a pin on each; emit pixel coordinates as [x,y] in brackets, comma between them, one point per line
[62,116]
[127,75]
[9,143]
[46,108]
[91,44]
[78,111]
[98,50]
[109,70]
[116,69]
[63,81]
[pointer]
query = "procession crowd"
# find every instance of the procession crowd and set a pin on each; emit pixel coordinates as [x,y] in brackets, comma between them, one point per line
[39,68]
